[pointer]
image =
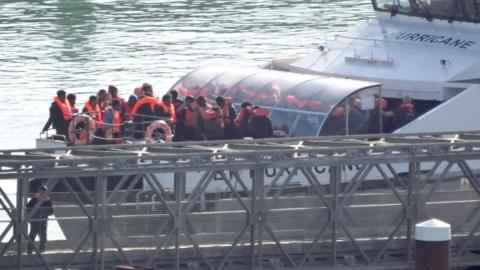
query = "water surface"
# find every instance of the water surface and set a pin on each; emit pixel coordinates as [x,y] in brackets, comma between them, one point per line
[84,45]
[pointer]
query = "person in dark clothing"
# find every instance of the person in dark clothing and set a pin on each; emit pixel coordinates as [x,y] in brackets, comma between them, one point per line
[184,130]
[357,118]
[39,218]
[113,92]
[229,115]
[102,99]
[165,107]
[200,116]
[375,119]
[60,114]
[335,123]
[260,125]
[213,124]
[72,101]
[242,120]
[404,113]
[177,102]
[128,107]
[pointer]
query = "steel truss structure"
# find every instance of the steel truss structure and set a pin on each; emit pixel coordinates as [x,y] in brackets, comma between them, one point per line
[340,202]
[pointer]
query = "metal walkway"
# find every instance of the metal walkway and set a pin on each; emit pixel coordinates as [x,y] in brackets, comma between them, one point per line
[300,203]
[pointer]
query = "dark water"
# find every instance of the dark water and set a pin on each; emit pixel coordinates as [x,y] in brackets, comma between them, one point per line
[85,45]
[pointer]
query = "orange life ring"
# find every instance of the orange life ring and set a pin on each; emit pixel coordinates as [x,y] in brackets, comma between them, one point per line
[158,124]
[83,138]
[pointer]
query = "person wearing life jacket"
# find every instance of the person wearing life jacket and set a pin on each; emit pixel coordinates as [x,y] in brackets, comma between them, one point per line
[293,102]
[193,91]
[242,120]
[113,94]
[213,124]
[200,116]
[144,111]
[128,107]
[72,100]
[94,111]
[113,122]
[404,113]
[102,99]
[260,125]
[229,115]
[167,109]
[92,108]
[184,129]
[176,101]
[60,114]
[38,221]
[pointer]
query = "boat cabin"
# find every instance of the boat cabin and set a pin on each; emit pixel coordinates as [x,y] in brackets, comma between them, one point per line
[451,10]
[299,105]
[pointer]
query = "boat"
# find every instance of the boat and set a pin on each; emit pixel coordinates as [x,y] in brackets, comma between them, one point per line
[427,50]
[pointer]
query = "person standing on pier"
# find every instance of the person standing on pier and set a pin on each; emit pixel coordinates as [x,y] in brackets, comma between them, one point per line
[38,221]
[60,114]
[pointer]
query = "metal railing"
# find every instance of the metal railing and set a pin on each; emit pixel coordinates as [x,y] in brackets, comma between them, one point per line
[344,202]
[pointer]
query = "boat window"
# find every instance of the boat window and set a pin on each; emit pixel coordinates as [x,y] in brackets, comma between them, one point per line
[195,83]
[394,5]
[249,88]
[222,84]
[452,10]
[360,113]
[298,103]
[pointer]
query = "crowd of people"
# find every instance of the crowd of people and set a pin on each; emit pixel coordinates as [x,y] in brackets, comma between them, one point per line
[112,119]
[384,117]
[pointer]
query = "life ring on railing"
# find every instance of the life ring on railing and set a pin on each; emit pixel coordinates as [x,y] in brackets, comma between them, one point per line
[158,124]
[81,137]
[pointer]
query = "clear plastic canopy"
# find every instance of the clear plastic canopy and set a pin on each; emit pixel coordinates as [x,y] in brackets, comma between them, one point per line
[299,104]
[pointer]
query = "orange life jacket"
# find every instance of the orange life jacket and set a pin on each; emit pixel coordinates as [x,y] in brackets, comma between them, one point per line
[338,112]
[409,107]
[295,102]
[188,117]
[96,114]
[203,110]
[265,99]
[260,112]
[144,100]
[116,121]
[65,107]
[241,116]
[212,115]
[169,109]
[203,92]
[314,105]
[381,103]
[226,114]
[183,91]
